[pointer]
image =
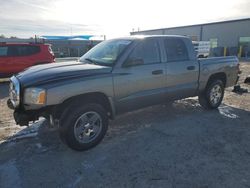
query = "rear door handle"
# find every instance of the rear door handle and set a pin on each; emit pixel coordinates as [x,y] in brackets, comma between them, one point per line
[190,67]
[155,72]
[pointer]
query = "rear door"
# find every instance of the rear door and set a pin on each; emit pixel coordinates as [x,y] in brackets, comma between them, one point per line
[182,69]
[142,84]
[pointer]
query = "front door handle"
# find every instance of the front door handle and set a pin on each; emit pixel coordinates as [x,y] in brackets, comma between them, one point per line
[155,72]
[190,67]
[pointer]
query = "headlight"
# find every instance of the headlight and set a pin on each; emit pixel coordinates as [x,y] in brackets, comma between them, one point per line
[14,91]
[35,96]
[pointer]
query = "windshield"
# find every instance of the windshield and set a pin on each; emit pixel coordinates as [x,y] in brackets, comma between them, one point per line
[105,53]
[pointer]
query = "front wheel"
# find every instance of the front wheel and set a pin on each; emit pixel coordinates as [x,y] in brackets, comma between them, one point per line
[83,127]
[212,97]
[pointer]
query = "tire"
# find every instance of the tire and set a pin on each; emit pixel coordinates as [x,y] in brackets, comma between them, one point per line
[83,127]
[209,100]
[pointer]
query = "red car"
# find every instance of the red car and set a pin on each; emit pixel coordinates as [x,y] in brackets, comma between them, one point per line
[17,57]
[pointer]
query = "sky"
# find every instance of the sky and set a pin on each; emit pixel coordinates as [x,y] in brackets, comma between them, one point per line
[113,18]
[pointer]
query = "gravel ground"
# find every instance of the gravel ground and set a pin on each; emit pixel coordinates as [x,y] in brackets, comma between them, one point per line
[179,145]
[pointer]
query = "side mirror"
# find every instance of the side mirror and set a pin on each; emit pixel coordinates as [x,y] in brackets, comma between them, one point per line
[133,62]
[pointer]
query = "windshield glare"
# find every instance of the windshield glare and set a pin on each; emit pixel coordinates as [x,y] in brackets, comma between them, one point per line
[105,53]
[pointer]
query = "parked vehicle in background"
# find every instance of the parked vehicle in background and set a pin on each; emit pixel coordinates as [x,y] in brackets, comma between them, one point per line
[202,48]
[15,57]
[114,77]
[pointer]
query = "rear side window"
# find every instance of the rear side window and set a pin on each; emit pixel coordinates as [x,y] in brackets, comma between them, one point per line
[23,50]
[147,50]
[176,50]
[3,51]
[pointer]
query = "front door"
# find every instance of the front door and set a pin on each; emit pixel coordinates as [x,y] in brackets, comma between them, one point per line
[142,82]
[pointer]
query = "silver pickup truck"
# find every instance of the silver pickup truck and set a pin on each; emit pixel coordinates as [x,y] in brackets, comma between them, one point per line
[117,76]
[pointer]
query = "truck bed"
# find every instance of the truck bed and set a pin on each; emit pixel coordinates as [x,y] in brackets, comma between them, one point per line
[215,65]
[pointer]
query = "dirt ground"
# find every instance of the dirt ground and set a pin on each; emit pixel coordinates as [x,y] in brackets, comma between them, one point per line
[179,145]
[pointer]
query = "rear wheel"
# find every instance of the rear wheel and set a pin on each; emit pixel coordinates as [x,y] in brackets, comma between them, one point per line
[212,97]
[83,127]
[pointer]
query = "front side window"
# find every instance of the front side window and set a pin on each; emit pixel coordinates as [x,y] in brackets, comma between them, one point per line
[146,50]
[3,50]
[176,50]
[106,53]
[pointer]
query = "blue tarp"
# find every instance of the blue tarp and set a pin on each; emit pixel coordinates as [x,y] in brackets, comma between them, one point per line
[79,37]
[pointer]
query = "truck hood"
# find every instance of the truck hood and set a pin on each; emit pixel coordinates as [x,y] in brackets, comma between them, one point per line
[57,72]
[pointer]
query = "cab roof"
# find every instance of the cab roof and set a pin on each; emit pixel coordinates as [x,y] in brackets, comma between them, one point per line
[134,37]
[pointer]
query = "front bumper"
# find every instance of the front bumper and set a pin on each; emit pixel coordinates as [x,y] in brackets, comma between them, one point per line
[23,118]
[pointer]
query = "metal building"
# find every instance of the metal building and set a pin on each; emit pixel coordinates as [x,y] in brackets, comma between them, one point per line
[226,38]
[62,46]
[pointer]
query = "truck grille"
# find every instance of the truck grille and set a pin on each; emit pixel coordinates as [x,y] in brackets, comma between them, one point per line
[14,91]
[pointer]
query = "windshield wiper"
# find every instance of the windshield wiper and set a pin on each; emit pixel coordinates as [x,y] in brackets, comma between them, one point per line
[91,61]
